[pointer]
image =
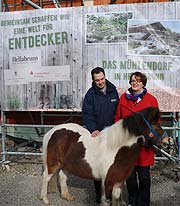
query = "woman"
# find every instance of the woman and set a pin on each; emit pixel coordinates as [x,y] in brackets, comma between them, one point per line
[135,99]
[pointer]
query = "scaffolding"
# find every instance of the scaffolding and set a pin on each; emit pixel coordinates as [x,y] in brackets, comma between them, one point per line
[9,5]
[174,128]
[40,130]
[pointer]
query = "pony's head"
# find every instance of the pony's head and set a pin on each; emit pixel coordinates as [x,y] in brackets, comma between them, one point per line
[154,133]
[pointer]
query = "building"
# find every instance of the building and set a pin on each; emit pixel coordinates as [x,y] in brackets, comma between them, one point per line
[19,5]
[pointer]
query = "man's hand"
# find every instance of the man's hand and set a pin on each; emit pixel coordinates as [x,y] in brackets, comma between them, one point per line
[95,133]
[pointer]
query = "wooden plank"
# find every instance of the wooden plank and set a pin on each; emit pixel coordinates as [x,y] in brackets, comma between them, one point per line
[81,55]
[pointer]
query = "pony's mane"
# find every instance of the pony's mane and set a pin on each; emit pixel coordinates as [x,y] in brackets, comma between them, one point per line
[110,134]
[135,122]
[130,126]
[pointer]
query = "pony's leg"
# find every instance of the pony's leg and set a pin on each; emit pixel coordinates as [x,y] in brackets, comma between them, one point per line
[117,195]
[52,186]
[63,185]
[104,201]
[45,179]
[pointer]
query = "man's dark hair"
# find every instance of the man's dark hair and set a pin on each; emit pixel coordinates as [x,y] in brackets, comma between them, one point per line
[142,77]
[97,70]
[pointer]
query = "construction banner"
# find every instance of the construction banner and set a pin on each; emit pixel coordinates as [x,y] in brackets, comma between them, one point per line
[46,55]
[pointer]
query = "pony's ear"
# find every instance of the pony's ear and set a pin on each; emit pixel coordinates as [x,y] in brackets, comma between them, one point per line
[153,114]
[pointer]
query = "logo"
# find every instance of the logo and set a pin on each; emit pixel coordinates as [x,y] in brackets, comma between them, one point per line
[22,59]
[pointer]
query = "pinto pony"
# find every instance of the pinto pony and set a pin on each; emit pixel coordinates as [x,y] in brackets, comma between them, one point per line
[109,157]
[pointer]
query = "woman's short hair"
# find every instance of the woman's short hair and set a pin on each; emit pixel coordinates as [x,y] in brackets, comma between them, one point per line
[97,70]
[142,77]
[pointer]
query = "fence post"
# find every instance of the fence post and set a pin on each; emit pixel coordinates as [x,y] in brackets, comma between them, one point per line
[179,137]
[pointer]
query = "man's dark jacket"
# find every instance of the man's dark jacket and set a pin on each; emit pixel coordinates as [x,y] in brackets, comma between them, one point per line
[99,109]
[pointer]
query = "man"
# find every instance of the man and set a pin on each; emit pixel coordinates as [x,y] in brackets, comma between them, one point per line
[98,109]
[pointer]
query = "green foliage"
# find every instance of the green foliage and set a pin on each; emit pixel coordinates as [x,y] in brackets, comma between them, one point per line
[134,45]
[110,27]
[13,102]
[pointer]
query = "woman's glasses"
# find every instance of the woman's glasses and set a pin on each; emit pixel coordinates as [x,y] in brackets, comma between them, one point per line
[135,81]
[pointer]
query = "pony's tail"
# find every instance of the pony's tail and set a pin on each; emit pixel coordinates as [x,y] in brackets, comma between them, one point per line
[46,139]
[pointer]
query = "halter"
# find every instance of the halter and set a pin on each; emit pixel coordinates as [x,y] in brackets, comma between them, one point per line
[148,125]
[153,131]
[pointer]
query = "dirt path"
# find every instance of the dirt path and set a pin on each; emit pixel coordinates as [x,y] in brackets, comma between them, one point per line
[21,186]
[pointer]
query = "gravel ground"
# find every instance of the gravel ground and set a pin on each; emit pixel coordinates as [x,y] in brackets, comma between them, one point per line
[21,186]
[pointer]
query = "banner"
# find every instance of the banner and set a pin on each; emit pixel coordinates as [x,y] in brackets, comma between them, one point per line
[47,55]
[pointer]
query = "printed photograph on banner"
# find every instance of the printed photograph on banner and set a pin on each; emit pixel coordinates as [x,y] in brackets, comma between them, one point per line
[160,37]
[106,28]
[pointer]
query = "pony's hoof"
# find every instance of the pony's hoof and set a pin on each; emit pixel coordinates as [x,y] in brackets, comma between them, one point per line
[67,197]
[6,167]
[45,200]
[103,204]
[106,203]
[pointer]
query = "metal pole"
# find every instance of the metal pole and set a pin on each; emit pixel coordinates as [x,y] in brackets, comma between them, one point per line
[179,138]
[3,115]
[56,3]
[23,153]
[32,4]
[6,5]
[3,130]
[173,124]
